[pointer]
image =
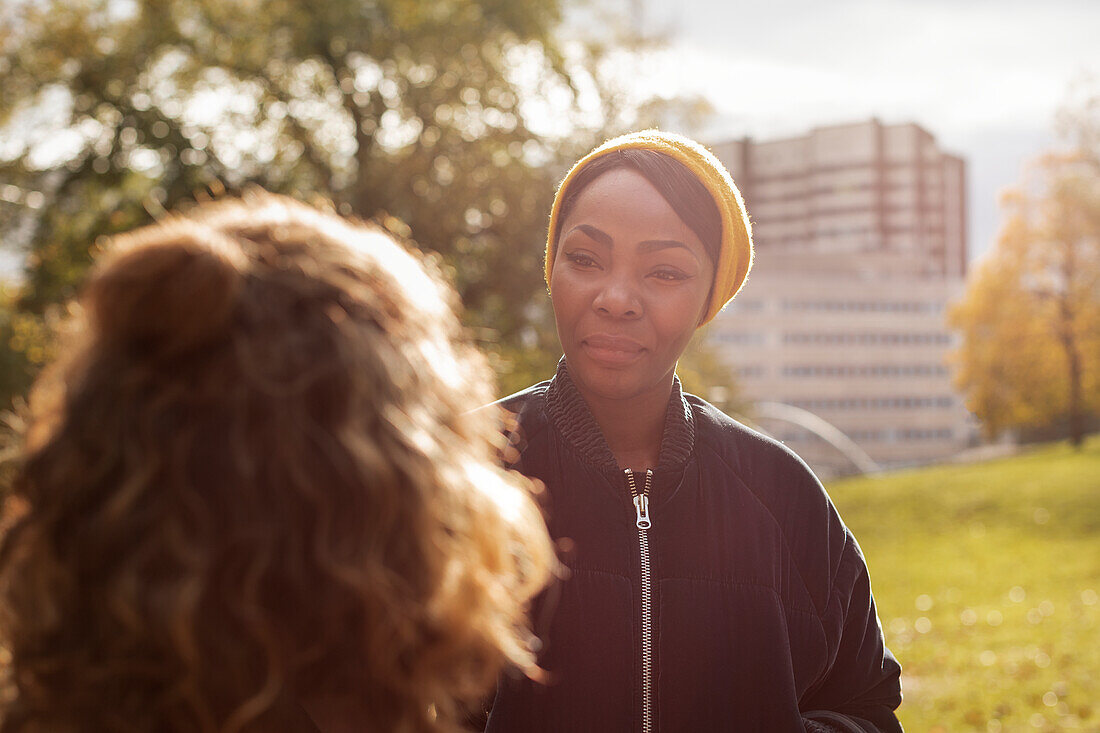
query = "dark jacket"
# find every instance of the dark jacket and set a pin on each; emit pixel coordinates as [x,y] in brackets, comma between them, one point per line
[760,605]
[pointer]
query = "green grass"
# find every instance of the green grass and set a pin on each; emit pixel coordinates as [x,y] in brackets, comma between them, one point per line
[986,578]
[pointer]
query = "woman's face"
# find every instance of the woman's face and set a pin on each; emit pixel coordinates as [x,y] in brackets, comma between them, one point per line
[629,286]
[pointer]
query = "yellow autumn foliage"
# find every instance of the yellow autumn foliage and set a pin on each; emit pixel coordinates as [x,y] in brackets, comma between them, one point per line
[1030,317]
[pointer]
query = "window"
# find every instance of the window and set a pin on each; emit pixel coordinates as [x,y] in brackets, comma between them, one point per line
[863,371]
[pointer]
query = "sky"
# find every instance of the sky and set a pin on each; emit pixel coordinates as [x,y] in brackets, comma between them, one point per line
[985,77]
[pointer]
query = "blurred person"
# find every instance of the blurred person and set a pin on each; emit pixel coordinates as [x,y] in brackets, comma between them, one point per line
[254,494]
[712,585]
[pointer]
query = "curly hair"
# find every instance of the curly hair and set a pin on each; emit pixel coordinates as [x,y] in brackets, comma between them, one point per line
[257,478]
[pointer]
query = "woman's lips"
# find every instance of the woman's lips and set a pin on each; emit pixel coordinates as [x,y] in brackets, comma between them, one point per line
[611,350]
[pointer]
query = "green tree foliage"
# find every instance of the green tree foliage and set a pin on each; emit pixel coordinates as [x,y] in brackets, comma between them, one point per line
[1030,318]
[16,368]
[406,112]
[704,373]
[414,114]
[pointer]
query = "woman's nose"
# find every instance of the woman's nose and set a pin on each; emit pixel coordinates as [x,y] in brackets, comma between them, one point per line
[618,298]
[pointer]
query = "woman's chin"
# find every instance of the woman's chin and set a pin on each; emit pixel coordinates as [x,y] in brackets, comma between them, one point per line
[600,381]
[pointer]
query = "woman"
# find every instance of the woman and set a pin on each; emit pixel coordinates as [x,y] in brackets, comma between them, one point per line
[712,585]
[256,496]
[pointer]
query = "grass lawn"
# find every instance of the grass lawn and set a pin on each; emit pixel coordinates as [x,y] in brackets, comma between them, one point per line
[987,579]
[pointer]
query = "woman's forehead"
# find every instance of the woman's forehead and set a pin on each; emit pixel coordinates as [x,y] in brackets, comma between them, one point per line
[622,190]
[622,203]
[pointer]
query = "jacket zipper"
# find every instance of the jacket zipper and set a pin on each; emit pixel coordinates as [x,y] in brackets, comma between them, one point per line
[643,522]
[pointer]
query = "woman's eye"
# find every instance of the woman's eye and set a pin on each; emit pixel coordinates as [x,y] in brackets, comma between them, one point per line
[669,275]
[580,259]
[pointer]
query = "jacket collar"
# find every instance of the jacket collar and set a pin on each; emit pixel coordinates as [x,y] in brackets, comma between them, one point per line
[571,416]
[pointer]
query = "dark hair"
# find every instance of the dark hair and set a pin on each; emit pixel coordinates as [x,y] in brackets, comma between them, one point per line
[676,183]
[257,475]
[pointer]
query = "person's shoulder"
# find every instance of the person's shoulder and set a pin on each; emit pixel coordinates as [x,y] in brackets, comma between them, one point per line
[775,474]
[748,452]
[526,408]
[525,400]
[524,414]
[784,485]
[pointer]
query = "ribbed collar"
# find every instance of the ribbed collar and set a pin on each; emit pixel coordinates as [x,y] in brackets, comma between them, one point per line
[570,414]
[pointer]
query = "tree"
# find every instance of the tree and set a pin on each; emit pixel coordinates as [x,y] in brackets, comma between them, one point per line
[414,114]
[703,372]
[1030,318]
[405,112]
[16,367]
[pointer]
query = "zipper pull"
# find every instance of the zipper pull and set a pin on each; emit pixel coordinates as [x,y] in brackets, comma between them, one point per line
[641,510]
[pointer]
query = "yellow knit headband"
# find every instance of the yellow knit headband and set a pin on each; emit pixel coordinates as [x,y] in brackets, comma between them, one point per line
[735,253]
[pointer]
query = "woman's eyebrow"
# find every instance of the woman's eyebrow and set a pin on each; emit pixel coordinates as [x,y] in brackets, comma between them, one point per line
[647,246]
[593,233]
[652,245]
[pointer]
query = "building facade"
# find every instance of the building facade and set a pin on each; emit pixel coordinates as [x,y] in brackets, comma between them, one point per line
[860,234]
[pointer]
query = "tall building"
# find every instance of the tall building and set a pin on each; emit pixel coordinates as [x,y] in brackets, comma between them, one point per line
[839,333]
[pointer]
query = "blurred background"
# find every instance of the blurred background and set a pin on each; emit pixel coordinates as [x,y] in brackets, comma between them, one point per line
[922,323]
